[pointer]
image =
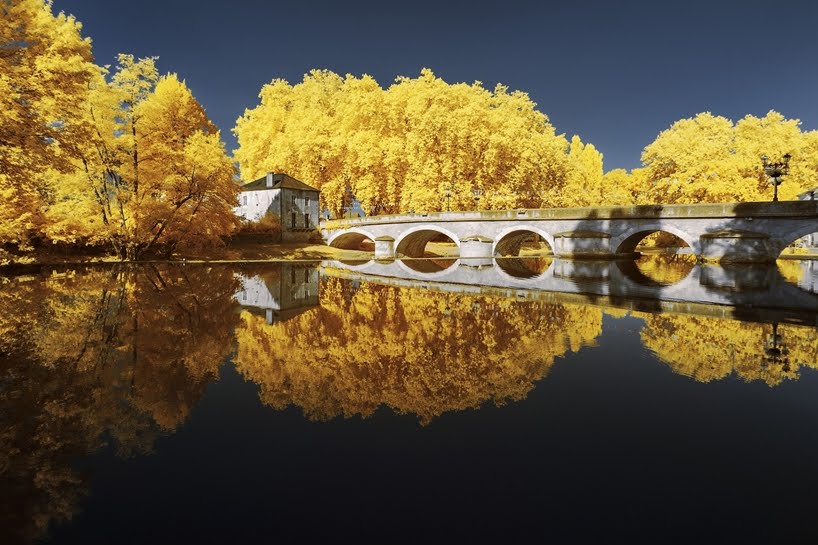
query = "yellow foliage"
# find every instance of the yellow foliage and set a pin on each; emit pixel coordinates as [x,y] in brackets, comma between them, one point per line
[98,355]
[157,168]
[45,71]
[132,162]
[424,354]
[710,159]
[392,148]
[708,349]
[584,179]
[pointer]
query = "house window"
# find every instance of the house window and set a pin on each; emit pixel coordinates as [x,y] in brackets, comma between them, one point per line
[306,220]
[244,200]
[292,276]
[292,201]
[293,221]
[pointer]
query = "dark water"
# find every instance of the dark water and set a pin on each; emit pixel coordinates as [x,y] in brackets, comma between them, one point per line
[211,404]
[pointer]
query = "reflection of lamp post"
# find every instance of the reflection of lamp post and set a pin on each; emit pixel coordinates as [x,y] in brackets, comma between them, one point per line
[774,349]
[448,188]
[476,194]
[775,171]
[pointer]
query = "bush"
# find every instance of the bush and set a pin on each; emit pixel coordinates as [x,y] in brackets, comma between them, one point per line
[268,225]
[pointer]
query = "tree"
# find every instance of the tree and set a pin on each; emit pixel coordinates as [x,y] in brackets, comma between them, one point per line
[583,181]
[392,148]
[709,159]
[45,71]
[155,171]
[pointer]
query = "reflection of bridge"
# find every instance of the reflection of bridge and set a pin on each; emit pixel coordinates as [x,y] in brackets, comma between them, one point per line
[746,232]
[748,292]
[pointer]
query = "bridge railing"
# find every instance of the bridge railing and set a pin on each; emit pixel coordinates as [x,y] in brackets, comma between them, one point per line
[651,211]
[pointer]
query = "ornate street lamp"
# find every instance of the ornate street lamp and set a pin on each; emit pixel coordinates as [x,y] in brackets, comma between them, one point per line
[448,189]
[476,194]
[774,350]
[775,171]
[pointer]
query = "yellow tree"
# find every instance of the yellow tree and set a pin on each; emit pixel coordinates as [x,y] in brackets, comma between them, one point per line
[45,70]
[182,181]
[617,188]
[709,159]
[155,171]
[583,184]
[393,148]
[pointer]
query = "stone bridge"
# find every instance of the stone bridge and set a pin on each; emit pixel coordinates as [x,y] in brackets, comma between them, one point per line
[737,232]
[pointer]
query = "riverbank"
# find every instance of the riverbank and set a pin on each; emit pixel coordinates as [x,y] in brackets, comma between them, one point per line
[239,249]
[256,249]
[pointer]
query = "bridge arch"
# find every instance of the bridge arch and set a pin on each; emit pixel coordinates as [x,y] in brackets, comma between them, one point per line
[791,236]
[508,241]
[627,242]
[350,239]
[412,242]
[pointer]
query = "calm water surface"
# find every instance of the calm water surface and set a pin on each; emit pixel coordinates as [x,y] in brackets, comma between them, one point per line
[434,400]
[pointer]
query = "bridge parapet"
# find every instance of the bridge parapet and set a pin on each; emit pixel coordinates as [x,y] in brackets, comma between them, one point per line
[649,211]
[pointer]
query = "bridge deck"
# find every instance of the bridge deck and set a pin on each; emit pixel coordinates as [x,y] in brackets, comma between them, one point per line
[779,209]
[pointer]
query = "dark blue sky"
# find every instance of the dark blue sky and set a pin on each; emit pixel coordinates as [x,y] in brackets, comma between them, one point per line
[615,72]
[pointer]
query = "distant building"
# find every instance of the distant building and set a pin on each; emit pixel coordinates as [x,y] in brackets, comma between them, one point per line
[293,201]
[809,241]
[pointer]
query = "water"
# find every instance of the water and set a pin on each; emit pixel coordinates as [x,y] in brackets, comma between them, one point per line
[438,400]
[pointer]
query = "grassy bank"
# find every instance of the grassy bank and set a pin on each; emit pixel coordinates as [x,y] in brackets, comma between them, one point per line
[238,249]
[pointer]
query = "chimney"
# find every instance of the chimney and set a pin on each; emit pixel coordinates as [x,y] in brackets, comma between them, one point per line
[269,180]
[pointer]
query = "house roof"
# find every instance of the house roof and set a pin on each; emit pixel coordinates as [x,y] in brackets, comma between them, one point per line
[280,181]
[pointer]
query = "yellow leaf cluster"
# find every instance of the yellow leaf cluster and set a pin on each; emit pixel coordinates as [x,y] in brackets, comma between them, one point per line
[45,70]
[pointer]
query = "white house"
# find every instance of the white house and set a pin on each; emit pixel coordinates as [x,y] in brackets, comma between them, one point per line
[294,202]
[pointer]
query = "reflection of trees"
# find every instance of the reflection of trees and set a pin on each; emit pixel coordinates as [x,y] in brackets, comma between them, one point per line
[666,269]
[791,269]
[115,354]
[709,349]
[414,351]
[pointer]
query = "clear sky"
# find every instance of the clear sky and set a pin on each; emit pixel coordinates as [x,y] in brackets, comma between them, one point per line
[615,72]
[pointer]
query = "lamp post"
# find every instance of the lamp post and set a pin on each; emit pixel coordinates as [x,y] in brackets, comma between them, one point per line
[774,350]
[775,171]
[448,188]
[476,194]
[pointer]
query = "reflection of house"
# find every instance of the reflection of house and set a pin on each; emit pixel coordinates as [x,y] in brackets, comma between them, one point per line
[809,241]
[280,294]
[293,201]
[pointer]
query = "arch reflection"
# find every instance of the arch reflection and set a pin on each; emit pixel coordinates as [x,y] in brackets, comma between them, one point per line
[429,265]
[524,267]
